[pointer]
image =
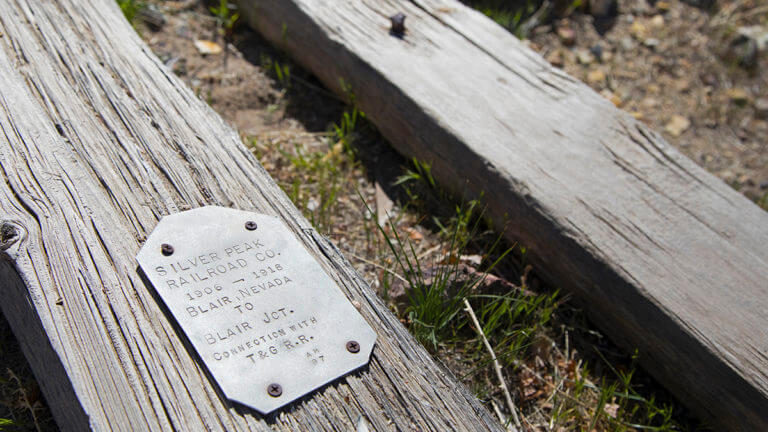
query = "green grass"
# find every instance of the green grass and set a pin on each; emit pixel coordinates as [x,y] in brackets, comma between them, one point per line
[22,407]
[130,9]
[318,172]
[516,323]
[763,201]
[521,16]
[226,18]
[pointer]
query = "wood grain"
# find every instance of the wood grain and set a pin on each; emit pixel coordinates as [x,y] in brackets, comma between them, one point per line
[99,140]
[665,257]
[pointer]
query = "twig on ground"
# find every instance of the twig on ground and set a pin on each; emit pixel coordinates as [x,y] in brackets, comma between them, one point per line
[378,266]
[496,409]
[496,365]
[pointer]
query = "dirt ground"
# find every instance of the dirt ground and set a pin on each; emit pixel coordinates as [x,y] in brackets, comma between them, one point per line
[681,70]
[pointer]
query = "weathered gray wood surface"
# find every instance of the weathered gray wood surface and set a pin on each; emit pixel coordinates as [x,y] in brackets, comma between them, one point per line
[99,140]
[666,257]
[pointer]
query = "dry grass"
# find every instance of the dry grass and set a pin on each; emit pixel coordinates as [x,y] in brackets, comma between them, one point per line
[561,373]
[22,406]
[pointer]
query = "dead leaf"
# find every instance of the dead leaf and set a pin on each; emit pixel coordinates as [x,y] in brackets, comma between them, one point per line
[677,125]
[595,76]
[383,205]
[413,234]
[611,409]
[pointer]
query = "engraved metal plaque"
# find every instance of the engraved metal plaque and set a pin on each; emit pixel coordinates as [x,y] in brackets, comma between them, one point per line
[267,321]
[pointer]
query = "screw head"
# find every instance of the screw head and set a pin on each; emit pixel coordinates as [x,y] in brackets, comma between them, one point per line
[250,225]
[353,347]
[398,23]
[275,390]
[166,249]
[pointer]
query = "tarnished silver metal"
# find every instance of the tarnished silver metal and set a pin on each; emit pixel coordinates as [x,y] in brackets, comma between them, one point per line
[257,307]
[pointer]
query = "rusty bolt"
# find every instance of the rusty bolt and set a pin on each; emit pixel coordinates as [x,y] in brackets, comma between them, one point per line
[353,347]
[166,249]
[275,390]
[398,23]
[250,225]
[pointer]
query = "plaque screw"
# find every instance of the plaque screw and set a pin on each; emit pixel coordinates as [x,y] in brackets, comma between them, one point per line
[275,390]
[250,225]
[353,347]
[166,249]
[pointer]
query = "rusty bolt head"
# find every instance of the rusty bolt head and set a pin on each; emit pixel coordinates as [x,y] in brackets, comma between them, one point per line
[398,23]
[353,347]
[250,225]
[275,390]
[166,249]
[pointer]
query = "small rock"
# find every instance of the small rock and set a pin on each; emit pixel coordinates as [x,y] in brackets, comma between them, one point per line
[638,30]
[683,85]
[651,43]
[555,58]
[764,185]
[663,6]
[649,103]
[710,80]
[206,47]
[657,21]
[597,51]
[584,56]
[761,108]
[313,204]
[596,76]
[567,35]
[627,43]
[746,180]
[640,8]
[737,96]
[677,125]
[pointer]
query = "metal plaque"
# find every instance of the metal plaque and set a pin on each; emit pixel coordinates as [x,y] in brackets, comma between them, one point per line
[267,321]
